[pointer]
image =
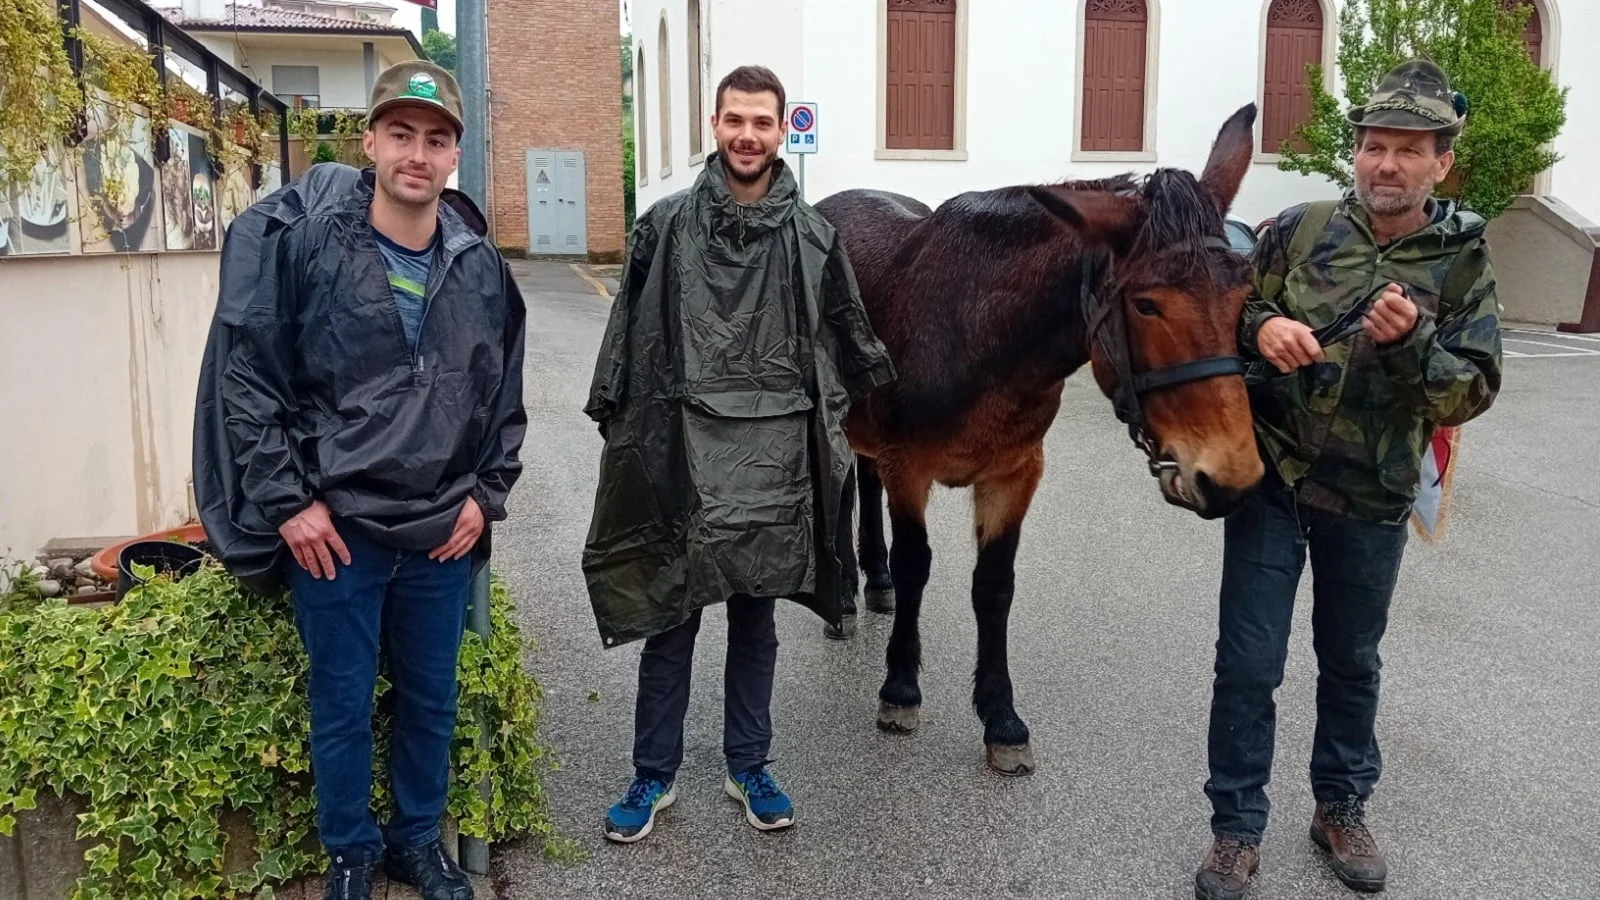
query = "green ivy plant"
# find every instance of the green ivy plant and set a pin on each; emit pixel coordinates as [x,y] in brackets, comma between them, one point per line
[184,707]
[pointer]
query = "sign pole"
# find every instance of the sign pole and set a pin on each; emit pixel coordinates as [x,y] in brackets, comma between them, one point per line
[802,142]
[472,71]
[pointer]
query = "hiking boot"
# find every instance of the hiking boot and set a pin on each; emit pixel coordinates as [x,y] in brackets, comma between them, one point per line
[1226,870]
[347,881]
[766,806]
[635,814]
[1340,828]
[430,870]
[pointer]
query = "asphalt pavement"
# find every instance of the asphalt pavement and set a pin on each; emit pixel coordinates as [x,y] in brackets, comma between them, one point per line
[1489,723]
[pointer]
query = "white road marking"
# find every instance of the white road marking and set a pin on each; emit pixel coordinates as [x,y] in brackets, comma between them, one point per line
[1571,350]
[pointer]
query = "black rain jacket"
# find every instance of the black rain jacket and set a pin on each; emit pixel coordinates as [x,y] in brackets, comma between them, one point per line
[308,389]
[735,348]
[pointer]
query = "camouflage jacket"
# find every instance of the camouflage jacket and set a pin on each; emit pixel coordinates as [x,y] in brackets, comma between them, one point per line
[1349,432]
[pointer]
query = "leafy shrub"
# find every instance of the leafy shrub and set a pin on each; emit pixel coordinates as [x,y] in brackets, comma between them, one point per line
[186,703]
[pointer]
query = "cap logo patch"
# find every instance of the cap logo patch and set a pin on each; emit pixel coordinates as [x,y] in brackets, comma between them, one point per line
[422,85]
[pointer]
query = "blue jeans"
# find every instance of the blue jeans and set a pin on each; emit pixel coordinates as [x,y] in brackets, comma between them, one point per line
[1354,565]
[418,606]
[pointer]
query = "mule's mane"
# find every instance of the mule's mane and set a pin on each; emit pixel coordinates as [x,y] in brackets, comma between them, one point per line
[1175,208]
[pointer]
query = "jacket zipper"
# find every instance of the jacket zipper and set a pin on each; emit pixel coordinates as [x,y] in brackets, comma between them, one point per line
[435,280]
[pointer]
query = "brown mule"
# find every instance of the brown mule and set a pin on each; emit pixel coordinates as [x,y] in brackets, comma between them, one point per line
[986,305]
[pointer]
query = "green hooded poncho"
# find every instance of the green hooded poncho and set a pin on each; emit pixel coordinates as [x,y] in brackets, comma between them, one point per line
[735,348]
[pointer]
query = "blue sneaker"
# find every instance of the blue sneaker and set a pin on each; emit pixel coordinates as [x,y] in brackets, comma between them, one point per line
[766,806]
[635,814]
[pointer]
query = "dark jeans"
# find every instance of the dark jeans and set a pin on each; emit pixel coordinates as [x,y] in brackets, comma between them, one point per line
[1354,565]
[663,699]
[419,608]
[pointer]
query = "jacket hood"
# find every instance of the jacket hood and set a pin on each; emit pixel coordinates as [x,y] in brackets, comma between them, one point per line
[743,220]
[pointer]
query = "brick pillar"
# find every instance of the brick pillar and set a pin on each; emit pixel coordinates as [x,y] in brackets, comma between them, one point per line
[555,82]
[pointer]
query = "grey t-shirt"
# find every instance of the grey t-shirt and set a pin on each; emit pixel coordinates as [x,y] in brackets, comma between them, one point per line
[408,280]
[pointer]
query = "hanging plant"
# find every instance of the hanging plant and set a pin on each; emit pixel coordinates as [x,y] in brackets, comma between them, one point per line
[122,86]
[347,131]
[40,103]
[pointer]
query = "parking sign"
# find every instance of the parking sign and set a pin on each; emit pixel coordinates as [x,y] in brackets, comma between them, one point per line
[802,128]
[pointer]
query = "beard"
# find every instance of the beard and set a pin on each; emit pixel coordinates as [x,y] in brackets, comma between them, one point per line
[1391,202]
[406,192]
[733,165]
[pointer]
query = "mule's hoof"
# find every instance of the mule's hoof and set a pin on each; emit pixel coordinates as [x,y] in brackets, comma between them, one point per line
[1011,760]
[845,630]
[898,719]
[880,600]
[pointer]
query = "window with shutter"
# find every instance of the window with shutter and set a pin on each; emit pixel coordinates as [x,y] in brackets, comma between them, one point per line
[1115,34]
[920,76]
[1532,32]
[664,80]
[1294,41]
[697,118]
[641,123]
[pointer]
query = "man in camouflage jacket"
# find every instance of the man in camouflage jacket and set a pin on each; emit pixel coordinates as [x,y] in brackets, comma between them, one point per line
[1376,321]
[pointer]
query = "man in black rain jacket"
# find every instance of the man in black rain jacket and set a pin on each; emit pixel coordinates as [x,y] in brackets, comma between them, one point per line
[736,346]
[358,423]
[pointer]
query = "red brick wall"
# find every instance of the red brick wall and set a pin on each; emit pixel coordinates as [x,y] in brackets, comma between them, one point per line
[555,82]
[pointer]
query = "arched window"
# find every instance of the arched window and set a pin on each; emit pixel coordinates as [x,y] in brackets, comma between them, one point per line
[697,118]
[1294,41]
[920,75]
[1115,52]
[641,122]
[664,79]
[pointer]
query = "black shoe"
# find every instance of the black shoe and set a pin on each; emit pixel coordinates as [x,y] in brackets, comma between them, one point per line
[845,630]
[430,870]
[347,882]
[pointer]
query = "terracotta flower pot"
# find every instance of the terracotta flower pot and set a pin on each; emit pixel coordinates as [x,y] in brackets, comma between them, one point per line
[104,563]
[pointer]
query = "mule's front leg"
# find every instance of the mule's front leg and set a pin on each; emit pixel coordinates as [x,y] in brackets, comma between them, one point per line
[1000,505]
[900,698]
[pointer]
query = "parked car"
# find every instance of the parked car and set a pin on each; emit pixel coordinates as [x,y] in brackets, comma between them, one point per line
[1240,235]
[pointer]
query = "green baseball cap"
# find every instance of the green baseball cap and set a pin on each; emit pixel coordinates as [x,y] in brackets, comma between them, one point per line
[1413,96]
[419,83]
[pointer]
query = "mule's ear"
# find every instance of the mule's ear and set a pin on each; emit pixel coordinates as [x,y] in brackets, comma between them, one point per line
[1230,157]
[1099,217]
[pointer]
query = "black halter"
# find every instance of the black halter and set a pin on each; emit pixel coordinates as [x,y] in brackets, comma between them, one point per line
[1108,323]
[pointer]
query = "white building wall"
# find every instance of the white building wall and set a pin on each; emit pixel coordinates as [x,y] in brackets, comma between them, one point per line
[223,47]
[733,33]
[1022,87]
[341,74]
[1571,28]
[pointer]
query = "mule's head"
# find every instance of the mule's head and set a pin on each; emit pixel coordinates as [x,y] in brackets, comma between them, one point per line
[1181,297]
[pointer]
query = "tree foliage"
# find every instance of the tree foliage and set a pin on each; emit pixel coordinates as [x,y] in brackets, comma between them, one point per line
[1516,107]
[441,48]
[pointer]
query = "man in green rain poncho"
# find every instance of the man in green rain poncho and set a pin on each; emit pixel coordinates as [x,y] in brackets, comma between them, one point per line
[735,348]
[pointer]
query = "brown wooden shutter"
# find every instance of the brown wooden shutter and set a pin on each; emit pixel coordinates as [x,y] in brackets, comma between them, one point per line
[920,94]
[1533,32]
[1294,41]
[1114,35]
[1533,40]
